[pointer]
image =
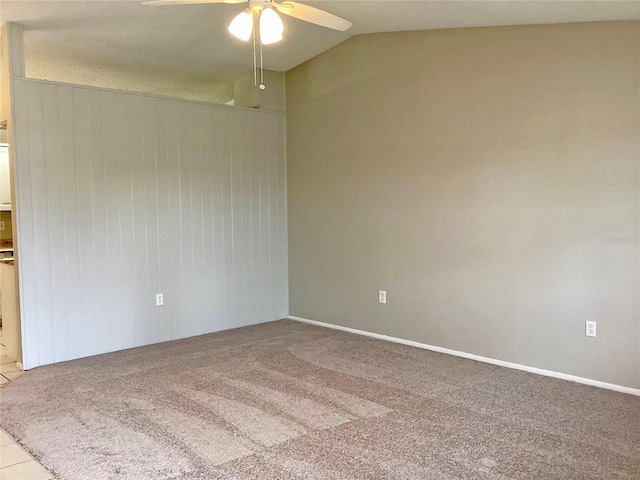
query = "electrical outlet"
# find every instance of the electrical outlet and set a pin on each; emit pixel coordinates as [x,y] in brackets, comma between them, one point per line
[159,299]
[382,296]
[590,329]
[1,226]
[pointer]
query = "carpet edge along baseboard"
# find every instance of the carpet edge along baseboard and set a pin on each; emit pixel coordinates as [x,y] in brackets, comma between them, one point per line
[478,358]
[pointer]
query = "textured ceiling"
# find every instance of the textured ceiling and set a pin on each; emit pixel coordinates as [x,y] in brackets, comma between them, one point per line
[187,51]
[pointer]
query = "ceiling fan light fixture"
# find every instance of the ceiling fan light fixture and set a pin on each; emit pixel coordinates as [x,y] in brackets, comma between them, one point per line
[242,25]
[271,27]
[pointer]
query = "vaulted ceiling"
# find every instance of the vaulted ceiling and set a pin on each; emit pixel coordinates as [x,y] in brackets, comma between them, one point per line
[187,51]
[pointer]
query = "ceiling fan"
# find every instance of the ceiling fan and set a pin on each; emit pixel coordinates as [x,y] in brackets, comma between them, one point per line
[261,19]
[261,15]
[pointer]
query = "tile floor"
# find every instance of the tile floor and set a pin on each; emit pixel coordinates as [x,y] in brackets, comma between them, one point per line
[15,462]
[9,371]
[8,368]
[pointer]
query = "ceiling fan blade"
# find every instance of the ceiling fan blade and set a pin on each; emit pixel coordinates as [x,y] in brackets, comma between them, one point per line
[189,2]
[313,15]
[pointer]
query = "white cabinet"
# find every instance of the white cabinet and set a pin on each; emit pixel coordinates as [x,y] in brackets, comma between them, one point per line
[5,183]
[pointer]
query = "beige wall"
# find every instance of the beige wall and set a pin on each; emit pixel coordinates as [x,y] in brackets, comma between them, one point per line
[487,178]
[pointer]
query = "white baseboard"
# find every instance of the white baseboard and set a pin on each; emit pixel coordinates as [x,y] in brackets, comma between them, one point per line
[478,358]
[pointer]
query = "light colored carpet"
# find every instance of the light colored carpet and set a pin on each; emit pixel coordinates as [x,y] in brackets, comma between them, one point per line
[285,400]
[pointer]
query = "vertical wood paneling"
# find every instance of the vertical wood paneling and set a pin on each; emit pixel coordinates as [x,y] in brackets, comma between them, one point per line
[195,213]
[162,213]
[263,205]
[124,208]
[236,154]
[85,253]
[55,217]
[226,203]
[185,322]
[69,233]
[112,255]
[122,196]
[255,291]
[279,211]
[246,275]
[154,327]
[247,222]
[138,204]
[24,219]
[275,183]
[97,182]
[174,298]
[206,123]
[282,274]
[41,250]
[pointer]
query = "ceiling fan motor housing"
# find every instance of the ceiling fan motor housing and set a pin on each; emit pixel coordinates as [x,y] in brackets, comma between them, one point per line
[259,3]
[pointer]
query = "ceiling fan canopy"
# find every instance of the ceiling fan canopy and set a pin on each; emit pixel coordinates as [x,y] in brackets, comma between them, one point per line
[263,13]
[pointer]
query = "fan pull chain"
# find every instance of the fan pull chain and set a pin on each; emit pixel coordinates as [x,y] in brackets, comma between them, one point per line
[253,34]
[261,86]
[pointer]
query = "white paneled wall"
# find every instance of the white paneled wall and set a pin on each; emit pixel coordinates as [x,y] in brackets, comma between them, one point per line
[121,196]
